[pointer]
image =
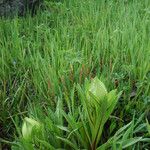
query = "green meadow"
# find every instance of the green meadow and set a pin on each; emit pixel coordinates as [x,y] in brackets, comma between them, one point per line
[76,76]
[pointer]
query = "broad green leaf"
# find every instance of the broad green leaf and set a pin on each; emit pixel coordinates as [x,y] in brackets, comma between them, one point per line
[111,96]
[97,88]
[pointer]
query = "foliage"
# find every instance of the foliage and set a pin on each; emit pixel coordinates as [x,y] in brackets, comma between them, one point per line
[45,59]
[82,126]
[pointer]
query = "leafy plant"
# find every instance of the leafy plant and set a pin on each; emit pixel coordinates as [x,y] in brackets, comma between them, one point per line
[29,126]
[87,125]
[80,127]
[98,104]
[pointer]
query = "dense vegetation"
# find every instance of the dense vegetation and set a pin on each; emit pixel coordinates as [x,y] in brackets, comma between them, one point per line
[50,65]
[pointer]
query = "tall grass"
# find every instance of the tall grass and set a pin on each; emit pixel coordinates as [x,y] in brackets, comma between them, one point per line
[41,57]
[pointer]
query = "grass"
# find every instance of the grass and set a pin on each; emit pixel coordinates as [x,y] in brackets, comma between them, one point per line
[42,58]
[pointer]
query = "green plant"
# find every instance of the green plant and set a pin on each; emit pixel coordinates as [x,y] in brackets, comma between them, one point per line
[86,125]
[80,127]
[98,104]
[40,135]
[29,126]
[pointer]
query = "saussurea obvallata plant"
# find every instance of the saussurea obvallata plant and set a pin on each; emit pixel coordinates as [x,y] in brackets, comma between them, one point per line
[96,106]
[80,127]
